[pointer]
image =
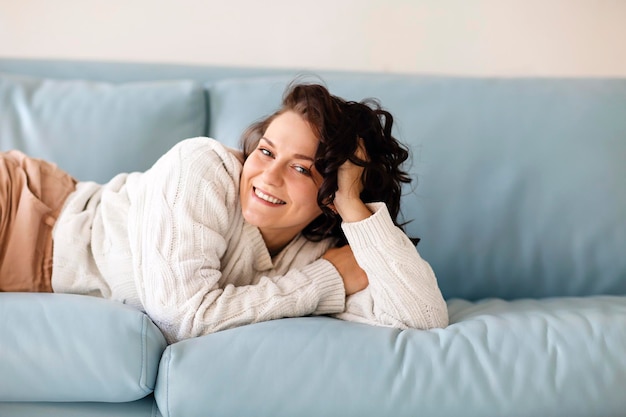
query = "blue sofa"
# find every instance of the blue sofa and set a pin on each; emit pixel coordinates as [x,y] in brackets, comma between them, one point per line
[520,202]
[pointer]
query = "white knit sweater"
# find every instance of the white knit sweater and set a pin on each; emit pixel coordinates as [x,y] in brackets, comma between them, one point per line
[172,242]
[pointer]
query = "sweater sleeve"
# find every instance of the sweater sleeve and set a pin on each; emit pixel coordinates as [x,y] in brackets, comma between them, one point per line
[178,228]
[403,290]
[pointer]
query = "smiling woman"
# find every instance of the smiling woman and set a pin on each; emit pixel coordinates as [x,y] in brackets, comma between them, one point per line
[203,241]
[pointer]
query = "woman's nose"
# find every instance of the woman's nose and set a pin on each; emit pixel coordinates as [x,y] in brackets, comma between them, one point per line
[273,175]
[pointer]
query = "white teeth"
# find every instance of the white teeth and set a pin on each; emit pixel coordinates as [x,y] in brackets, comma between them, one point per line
[267,198]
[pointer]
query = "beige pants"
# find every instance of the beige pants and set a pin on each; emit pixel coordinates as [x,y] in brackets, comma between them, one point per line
[32,193]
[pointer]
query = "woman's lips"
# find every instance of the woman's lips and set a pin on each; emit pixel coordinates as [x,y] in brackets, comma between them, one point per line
[267,197]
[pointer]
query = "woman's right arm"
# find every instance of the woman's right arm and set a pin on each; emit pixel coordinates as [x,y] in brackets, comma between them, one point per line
[179,228]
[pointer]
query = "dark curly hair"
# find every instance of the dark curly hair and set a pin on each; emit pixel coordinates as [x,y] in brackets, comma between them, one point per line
[339,124]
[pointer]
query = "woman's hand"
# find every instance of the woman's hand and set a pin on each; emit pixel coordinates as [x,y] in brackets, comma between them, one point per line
[354,278]
[348,201]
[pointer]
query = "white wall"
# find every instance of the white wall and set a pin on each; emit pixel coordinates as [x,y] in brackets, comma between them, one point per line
[471,37]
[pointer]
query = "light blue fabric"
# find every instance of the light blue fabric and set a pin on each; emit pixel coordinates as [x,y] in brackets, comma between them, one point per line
[521,184]
[145,407]
[95,130]
[553,357]
[60,347]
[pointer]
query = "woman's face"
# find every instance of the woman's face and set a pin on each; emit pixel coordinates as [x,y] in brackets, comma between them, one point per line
[279,183]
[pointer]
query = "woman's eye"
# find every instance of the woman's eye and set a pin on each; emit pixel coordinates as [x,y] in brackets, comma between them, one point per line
[265,152]
[302,170]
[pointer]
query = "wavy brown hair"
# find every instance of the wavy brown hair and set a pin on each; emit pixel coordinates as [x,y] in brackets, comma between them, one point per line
[339,124]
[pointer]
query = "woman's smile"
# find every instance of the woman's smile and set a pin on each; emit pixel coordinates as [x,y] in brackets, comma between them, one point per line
[267,198]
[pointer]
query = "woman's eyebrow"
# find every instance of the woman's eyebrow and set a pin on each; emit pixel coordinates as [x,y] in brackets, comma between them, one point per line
[297,156]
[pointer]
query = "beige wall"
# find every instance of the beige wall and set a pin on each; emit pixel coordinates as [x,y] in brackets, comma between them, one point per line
[471,37]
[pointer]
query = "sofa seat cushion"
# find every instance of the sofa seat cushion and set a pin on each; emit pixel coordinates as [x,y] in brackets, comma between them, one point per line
[146,407]
[525,358]
[95,130]
[64,348]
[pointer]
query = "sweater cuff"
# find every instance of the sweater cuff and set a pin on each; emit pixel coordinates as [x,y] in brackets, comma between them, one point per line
[376,229]
[329,287]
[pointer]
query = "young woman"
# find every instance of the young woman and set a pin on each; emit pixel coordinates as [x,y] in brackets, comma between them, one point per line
[303,223]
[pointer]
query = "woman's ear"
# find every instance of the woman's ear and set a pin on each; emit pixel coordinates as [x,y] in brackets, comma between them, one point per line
[361,150]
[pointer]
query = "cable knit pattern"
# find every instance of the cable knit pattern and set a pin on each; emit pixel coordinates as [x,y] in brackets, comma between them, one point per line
[403,290]
[172,241]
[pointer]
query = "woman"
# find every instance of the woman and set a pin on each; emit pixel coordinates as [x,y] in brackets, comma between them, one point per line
[203,242]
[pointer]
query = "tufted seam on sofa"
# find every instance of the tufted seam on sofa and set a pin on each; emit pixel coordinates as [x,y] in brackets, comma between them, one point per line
[143,370]
[163,383]
[143,378]
[207,111]
[155,409]
[167,383]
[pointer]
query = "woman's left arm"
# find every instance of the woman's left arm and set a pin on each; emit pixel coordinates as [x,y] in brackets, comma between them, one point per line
[403,290]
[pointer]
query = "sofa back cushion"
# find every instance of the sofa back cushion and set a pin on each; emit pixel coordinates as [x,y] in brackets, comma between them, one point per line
[95,130]
[521,183]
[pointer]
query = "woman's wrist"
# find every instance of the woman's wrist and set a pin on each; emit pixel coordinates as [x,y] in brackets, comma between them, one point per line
[351,209]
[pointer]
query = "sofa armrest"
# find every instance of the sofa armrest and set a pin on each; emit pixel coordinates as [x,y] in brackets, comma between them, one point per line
[60,347]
